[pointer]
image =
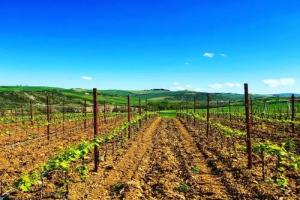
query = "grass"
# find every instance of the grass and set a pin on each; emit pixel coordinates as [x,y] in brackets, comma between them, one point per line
[168,113]
[10,96]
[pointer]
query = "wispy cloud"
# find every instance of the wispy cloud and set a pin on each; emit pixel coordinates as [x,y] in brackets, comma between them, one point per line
[273,83]
[224,85]
[212,55]
[186,63]
[208,54]
[87,78]
[180,86]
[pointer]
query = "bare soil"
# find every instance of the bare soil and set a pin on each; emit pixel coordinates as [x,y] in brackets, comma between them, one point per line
[163,162]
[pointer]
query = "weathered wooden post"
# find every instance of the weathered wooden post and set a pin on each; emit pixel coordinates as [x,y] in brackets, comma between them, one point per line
[207,115]
[248,126]
[22,115]
[265,108]
[104,112]
[229,109]
[16,117]
[31,112]
[128,115]
[96,128]
[48,117]
[85,116]
[63,117]
[217,109]
[194,110]
[293,113]
[140,112]
[146,108]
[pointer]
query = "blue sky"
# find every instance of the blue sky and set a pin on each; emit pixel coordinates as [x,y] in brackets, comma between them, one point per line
[203,45]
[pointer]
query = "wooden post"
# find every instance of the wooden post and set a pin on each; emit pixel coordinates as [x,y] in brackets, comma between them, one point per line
[128,115]
[48,117]
[278,110]
[104,112]
[85,116]
[265,108]
[96,128]
[63,117]
[22,115]
[222,108]
[194,110]
[207,115]
[293,112]
[186,106]
[146,108]
[229,108]
[217,109]
[248,126]
[140,112]
[16,116]
[31,112]
[251,106]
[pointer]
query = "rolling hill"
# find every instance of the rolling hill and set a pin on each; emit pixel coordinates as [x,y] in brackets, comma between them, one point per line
[17,95]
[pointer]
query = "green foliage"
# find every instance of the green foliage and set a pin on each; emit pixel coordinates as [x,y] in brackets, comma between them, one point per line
[285,157]
[196,169]
[227,131]
[269,148]
[289,145]
[281,181]
[63,161]
[183,187]
[83,171]
[27,181]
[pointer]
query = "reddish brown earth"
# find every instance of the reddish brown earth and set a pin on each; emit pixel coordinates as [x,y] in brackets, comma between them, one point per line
[26,156]
[162,162]
[165,159]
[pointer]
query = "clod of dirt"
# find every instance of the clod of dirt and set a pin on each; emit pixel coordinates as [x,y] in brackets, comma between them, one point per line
[109,167]
[119,188]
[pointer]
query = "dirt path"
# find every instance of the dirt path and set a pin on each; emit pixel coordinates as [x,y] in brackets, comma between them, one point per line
[211,185]
[100,186]
[175,169]
[163,162]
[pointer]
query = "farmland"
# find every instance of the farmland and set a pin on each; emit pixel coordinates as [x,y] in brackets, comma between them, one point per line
[154,144]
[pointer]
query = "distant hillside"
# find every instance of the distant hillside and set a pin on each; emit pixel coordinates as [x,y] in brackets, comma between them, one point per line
[288,95]
[18,95]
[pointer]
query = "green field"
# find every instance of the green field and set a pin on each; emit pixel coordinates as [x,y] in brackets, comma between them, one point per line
[11,96]
[168,113]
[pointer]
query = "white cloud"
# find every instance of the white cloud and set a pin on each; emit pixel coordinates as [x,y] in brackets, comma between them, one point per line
[224,85]
[208,54]
[216,85]
[211,54]
[180,86]
[87,78]
[279,82]
[232,84]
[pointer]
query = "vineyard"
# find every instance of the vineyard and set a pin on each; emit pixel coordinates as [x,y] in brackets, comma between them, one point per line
[195,148]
